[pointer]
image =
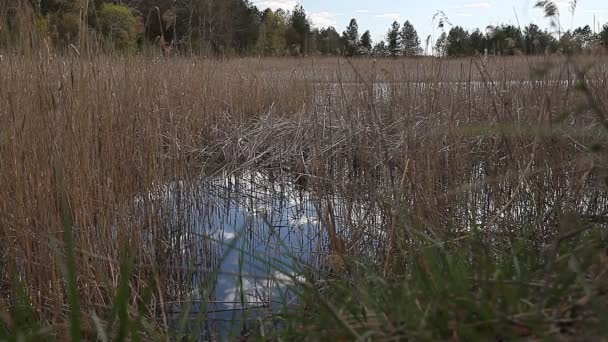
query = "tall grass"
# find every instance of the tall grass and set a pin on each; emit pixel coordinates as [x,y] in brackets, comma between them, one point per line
[509,148]
[462,290]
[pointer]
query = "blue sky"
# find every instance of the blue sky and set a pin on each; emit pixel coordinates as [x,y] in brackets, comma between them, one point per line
[377,15]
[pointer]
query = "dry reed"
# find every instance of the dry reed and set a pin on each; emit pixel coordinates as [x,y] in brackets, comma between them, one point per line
[453,144]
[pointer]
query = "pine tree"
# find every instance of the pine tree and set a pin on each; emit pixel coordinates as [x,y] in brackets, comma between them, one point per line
[583,36]
[330,42]
[441,46]
[394,40]
[457,42]
[478,43]
[351,38]
[604,37]
[366,43]
[409,40]
[537,41]
[299,29]
[380,49]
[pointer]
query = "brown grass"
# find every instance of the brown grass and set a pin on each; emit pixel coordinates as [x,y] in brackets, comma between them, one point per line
[445,144]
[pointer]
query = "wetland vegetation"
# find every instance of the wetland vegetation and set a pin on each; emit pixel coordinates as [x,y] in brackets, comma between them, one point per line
[147,197]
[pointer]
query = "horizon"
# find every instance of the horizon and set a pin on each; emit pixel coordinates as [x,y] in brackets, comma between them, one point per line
[470,15]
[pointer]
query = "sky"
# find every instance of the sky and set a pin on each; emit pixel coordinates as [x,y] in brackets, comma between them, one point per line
[377,15]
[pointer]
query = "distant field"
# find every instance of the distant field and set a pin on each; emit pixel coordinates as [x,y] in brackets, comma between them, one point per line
[513,147]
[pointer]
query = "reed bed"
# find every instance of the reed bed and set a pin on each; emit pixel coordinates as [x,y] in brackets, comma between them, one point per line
[507,146]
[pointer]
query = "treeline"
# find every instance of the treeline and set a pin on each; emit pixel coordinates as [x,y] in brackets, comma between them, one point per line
[239,28]
[510,40]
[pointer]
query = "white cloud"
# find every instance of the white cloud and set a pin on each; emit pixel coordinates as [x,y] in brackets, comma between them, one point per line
[392,16]
[566,5]
[303,220]
[484,5]
[287,279]
[287,5]
[562,2]
[473,5]
[362,11]
[229,235]
[323,19]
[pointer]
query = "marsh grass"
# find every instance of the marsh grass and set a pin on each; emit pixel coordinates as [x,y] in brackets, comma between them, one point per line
[439,184]
[464,290]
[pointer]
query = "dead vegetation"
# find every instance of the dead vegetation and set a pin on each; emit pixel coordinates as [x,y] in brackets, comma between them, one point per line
[444,145]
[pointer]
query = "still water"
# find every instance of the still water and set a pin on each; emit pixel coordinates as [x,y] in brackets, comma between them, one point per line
[241,247]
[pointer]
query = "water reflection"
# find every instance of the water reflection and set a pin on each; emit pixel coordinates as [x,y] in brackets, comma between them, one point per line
[240,245]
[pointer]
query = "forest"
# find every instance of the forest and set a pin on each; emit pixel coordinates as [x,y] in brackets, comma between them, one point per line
[239,28]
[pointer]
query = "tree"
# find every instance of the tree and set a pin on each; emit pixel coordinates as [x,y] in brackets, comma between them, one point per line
[299,30]
[351,38]
[271,38]
[64,27]
[312,41]
[57,6]
[380,49]
[394,40]
[513,39]
[583,37]
[117,23]
[604,37]
[21,22]
[457,42]
[330,42]
[537,41]
[409,40]
[366,43]
[441,46]
[246,27]
[477,43]
[64,20]
[206,26]
[567,44]
[504,39]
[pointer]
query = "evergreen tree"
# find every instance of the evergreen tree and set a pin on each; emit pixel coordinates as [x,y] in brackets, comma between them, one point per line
[441,46]
[567,44]
[477,43]
[299,30]
[237,27]
[366,43]
[457,42]
[351,38]
[504,39]
[330,42]
[312,41]
[537,41]
[494,39]
[394,40]
[604,37]
[583,37]
[246,31]
[409,40]
[513,39]
[380,49]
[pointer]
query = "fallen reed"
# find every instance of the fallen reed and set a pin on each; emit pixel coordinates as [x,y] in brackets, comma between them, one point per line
[507,146]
